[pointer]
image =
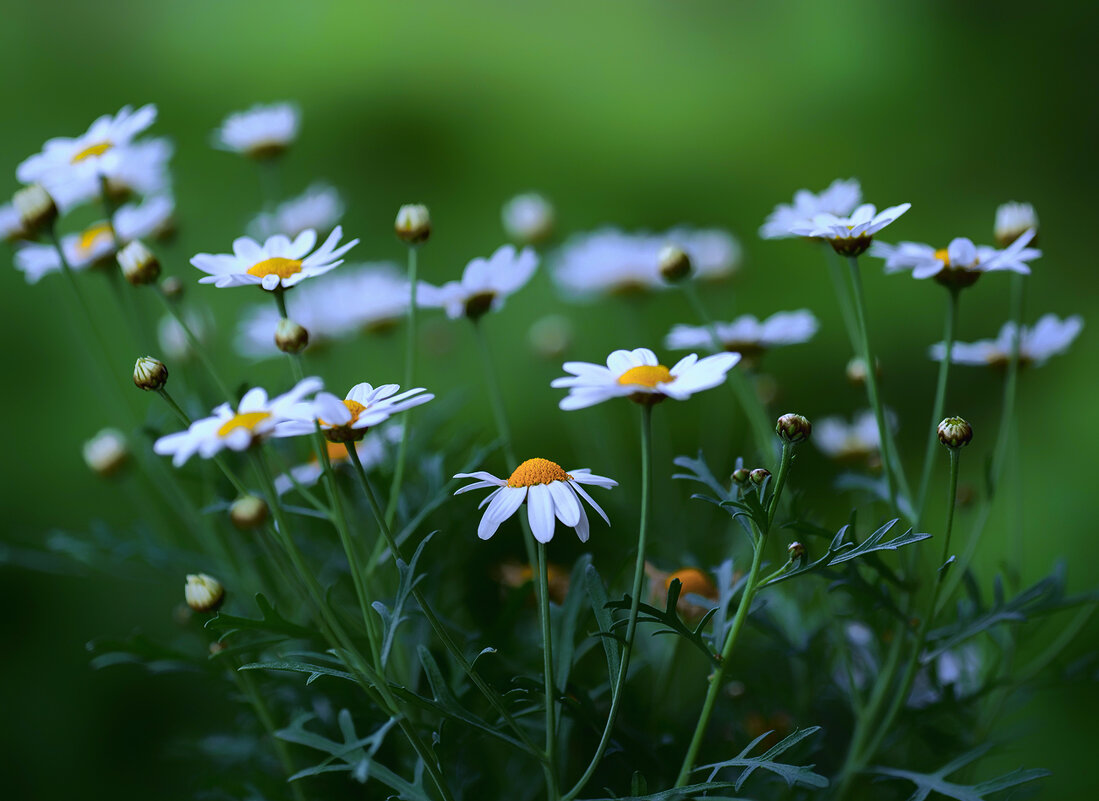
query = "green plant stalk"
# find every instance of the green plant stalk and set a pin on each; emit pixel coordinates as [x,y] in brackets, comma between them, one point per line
[196,346]
[635,602]
[409,377]
[552,792]
[951,324]
[843,298]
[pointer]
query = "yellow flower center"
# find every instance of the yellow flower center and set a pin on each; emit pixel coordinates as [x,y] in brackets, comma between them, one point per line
[276,265]
[97,149]
[355,408]
[537,471]
[247,420]
[943,255]
[91,235]
[646,375]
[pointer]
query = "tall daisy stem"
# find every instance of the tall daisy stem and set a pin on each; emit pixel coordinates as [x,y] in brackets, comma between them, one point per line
[197,347]
[940,398]
[547,671]
[843,298]
[409,377]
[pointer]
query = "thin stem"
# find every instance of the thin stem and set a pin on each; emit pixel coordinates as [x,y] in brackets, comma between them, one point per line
[839,284]
[196,346]
[780,481]
[547,672]
[940,398]
[409,377]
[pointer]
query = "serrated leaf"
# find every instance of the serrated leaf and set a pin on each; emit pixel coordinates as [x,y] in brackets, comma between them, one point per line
[313,670]
[927,783]
[793,775]
[270,621]
[392,619]
[669,618]
[699,471]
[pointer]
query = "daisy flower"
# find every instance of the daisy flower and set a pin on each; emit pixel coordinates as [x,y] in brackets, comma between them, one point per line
[279,263]
[347,420]
[254,419]
[548,491]
[319,207]
[261,132]
[850,235]
[1012,221]
[638,375]
[139,169]
[484,284]
[1048,337]
[528,219]
[960,264]
[840,198]
[843,441]
[372,450]
[746,335]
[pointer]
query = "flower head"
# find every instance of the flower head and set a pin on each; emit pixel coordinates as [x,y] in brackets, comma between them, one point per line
[955,432]
[106,452]
[959,264]
[637,374]
[548,491]
[413,223]
[850,235]
[1050,336]
[319,207]
[35,208]
[261,132]
[840,198]
[484,285]
[528,219]
[150,374]
[139,264]
[248,512]
[347,420]
[793,428]
[203,593]
[845,441]
[279,263]
[747,335]
[1012,221]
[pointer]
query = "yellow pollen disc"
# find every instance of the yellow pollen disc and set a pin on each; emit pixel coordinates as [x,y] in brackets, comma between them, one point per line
[646,375]
[276,265]
[91,235]
[248,420]
[943,255]
[97,149]
[355,408]
[537,471]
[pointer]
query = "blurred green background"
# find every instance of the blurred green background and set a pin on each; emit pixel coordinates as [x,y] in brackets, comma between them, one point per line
[639,114]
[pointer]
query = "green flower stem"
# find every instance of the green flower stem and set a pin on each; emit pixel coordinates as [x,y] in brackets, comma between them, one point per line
[635,601]
[940,399]
[197,347]
[843,297]
[246,684]
[750,586]
[409,377]
[547,671]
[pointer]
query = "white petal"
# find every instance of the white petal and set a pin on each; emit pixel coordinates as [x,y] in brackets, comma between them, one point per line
[540,512]
[565,504]
[503,506]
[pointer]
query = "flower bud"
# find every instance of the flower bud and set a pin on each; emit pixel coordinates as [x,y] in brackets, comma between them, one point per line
[203,593]
[248,512]
[138,263]
[741,475]
[674,264]
[795,551]
[528,219]
[759,475]
[290,337]
[150,374]
[106,452]
[35,206]
[172,288]
[1012,221]
[954,432]
[793,428]
[413,224]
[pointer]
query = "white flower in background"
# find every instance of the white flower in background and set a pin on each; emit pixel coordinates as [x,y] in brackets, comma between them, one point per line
[484,285]
[1012,221]
[11,223]
[279,263]
[1048,337]
[347,420]
[140,169]
[637,374]
[746,335]
[549,493]
[173,341]
[371,449]
[845,441]
[253,420]
[714,254]
[958,265]
[319,207]
[261,132]
[106,452]
[850,235]
[357,298]
[840,198]
[528,218]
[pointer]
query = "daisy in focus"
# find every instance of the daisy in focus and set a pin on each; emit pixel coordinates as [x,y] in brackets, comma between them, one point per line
[549,493]
[279,263]
[840,198]
[637,374]
[856,441]
[253,420]
[347,420]
[484,285]
[371,449]
[850,235]
[261,132]
[746,335]
[960,264]
[1048,337]
[319,207]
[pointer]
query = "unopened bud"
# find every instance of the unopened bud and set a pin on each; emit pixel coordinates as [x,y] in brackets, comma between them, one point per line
[248,512]
[413,224]
[674,263]
[759,475]
[793,428]
[172,288]
[954,432]
[203,593]
[795,551]
[35,206]
[138,263]
[528,219]
[150,374]
[1012,221]
[106,452]
[741,475]
[290,337]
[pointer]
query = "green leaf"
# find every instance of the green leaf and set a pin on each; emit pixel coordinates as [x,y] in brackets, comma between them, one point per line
[313,670]
[700,472]
[927,783]
[690,791]
[597,592]
[566,623]
[392,619]
[270,621]
[793,775]
[137,649]
[671,621]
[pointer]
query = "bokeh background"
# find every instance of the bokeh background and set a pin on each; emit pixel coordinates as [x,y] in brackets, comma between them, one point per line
[639,114]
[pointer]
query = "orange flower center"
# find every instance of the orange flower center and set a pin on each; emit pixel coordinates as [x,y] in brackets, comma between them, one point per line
[247,420]
[276,265]
[537,471]
[355,408]
[646,375]
[97,149]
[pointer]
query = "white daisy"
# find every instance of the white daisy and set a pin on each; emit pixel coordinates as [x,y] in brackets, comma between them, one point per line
[958,265]
[1048,337]
[261,132]
[850,235]
[746,335]
[279,263]
[714,254]
[637,374]
[484,284]
[371,449]
[319,207]
[139,169]
[254,419]
[840,198]
[1012,221]
[348,420]
[548,491]
[845,441]
[528,218]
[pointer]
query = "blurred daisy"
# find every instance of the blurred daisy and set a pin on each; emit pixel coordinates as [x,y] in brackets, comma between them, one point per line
[261,132]
[1012,221]
[528,219]
[484,284]
[11,224]
[547,490]
[840,198]
[958,265]
[636,374]
[746,335]
[850,235]
[279,263]
[347,420]
[845,441]
[372,450]
[1048,337]
[319,207]
[140,169]
[253,420]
